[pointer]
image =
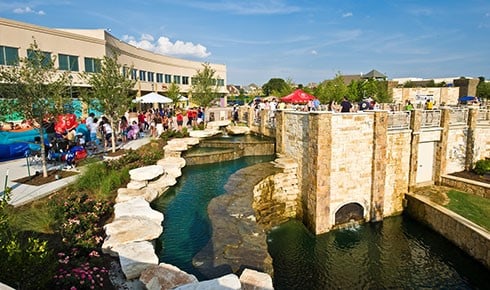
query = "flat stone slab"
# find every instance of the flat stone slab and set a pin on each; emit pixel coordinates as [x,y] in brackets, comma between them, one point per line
[227,282]
[127,230]
[136,257]
[133,184]
[204,133]
[137,207]
[238,130]
[218,124]
[165,276]
[191,141]
[171,162]
[254,280]
[146,173]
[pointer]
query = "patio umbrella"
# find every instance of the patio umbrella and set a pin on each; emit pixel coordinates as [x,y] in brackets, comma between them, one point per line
[298,96]
[152,98]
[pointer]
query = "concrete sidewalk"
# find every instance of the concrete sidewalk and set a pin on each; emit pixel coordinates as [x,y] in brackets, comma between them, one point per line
[24,193]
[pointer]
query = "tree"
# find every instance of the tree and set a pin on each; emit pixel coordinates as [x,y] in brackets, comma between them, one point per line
[276,86]
[173,92]
[35,90]
[112,91]
[483,89]
[204,86]
[331,90]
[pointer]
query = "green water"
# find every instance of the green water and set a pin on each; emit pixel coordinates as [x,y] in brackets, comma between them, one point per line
[186,226]
[397,253]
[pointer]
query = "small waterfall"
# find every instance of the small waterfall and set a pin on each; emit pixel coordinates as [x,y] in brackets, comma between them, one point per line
[224,132]
[351,225]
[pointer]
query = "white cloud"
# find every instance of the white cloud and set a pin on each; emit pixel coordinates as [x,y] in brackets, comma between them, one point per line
[314,52]
[27,10]
[348,14]
[163,45]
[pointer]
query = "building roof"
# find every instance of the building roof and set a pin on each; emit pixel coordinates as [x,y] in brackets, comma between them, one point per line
[374,74]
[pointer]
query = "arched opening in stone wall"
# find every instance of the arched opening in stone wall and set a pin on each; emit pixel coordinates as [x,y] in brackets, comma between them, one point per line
[349,212]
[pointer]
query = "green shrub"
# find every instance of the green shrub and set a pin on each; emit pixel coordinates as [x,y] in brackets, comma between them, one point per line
[26,261]
[482,167]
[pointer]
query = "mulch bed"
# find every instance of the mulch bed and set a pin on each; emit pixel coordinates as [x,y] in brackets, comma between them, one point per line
[472,176]
[38,179]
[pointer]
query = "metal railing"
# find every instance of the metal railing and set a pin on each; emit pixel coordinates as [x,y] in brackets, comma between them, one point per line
[483,116]
[399,120]
[458,117]
[431,118]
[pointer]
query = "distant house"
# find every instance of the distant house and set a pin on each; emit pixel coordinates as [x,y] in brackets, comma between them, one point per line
[373,74]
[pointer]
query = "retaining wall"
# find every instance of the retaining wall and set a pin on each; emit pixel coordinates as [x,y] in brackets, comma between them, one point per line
[468,236]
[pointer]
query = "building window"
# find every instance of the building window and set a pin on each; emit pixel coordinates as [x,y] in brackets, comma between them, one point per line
[159,78]
[68,62]
[168,79]
[221,82]
[177,80]
[134,74]
[185,80]
[9,55]
[151,76]
[31,56]
[142,75]
[92,65]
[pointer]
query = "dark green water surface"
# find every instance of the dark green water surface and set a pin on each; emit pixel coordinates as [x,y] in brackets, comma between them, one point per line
[397,253]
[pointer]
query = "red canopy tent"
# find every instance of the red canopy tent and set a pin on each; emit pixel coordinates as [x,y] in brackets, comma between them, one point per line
[298,96]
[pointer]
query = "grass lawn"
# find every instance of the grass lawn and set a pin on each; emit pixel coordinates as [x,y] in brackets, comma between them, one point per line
[472,207]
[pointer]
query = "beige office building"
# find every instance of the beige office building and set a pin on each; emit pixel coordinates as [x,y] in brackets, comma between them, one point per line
[79,50]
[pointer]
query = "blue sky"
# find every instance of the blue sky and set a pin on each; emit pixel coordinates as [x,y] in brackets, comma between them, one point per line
[305,40]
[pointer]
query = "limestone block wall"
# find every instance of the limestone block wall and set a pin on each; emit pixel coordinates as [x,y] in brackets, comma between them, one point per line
[351,162]
[456,149]
[446,95]
[397,171]
[482,142]
[277,198]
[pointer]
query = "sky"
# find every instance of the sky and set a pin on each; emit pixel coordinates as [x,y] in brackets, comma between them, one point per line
[303,41]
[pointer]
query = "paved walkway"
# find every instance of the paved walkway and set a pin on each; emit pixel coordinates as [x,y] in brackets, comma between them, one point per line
[24,193]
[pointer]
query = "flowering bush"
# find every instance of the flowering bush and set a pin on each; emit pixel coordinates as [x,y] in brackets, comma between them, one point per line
[80,220]
[81,272]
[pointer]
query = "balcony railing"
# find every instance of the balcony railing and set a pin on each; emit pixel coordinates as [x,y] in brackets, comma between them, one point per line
[431,118]
[458,117]
[399,120]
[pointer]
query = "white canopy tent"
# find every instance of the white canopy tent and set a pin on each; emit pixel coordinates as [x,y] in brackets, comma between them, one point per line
[152,98]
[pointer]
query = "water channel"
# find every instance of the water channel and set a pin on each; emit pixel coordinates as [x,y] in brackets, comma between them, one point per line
[396,253]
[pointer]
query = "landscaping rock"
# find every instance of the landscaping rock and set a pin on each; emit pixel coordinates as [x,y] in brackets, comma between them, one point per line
[204,133]
[136,184]
[129,229]
[146,173]
[165,276]
[254,280]
[136,257]
[238,130]
[228,282]
[137,207]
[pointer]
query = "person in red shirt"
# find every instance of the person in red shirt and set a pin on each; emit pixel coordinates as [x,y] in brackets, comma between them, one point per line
[180,120]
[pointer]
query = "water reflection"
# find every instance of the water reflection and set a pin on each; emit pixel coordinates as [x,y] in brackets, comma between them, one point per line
[397,253]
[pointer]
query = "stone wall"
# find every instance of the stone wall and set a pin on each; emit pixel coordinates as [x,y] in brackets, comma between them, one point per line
[456,149]
[397,169]
[465,185]
[468,236]
[346,158]
[277,197]
[482,142]
[441,95]
[351,162]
